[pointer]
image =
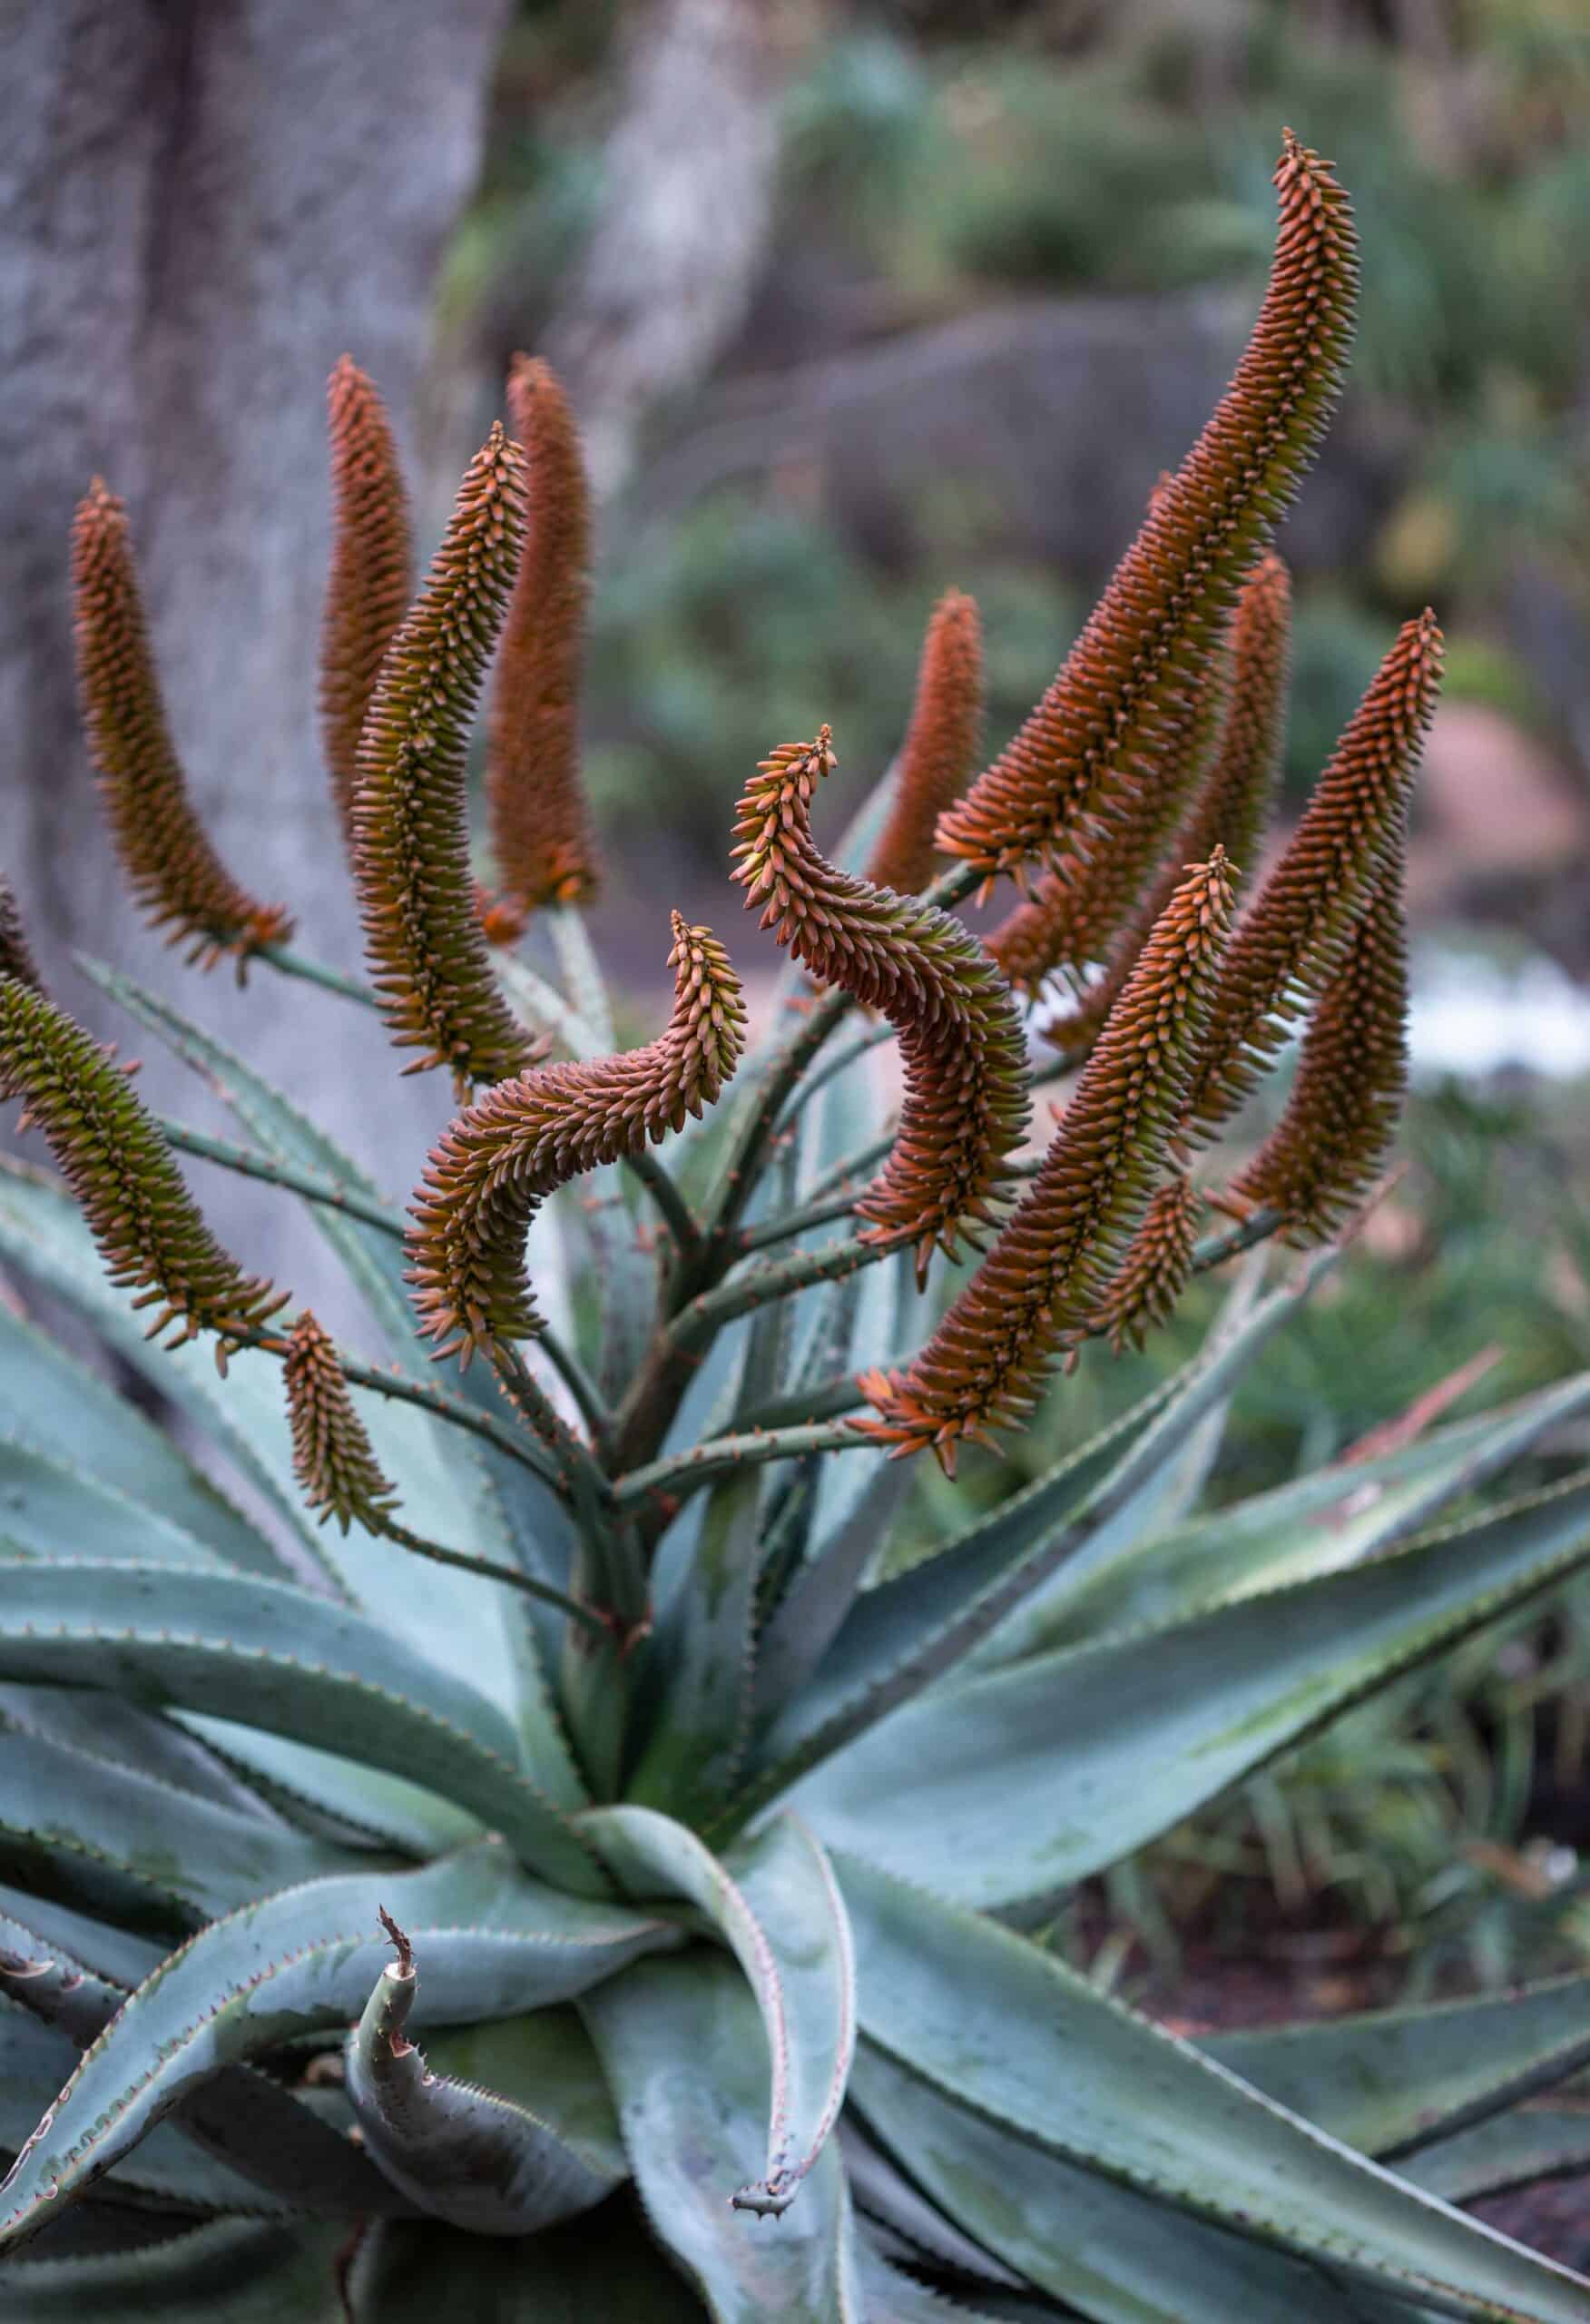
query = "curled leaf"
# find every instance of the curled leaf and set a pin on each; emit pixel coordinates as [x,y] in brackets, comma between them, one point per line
[111,1153]
[540,832]
[1124,697]
[177,879]
[961,1043]
[940,744]
[504,1155]
[427,958]
[982,1369]
[371,572]
[332,1456]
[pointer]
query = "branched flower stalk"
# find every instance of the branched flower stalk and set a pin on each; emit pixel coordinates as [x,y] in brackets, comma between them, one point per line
[961,1045]
[372,563]
[540,829]
[176,877]
[426,954]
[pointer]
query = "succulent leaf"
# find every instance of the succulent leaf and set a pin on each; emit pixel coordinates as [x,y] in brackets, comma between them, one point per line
[177,879]
[1123,697]
[961,1044]
[108,1148]
[504,1154]
[372,565]
[426,954]
[936,756]
[982,1369]
[540,830]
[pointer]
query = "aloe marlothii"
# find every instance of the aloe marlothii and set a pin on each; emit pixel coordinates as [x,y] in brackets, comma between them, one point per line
[696,1828]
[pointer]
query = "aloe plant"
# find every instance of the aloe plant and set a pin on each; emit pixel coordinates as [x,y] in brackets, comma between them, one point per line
[595,1876]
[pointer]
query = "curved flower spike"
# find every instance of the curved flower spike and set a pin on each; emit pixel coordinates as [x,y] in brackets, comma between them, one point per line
[427,957]
[540,832]
[1142,1292]
[940,744]
[1122,698]
[332,1456]
[984,1367]
[961,1043]
[177,879]
[1330,1143]
[111,1153]
[1294,940]
[504,1155]
[17,958]
[372,561]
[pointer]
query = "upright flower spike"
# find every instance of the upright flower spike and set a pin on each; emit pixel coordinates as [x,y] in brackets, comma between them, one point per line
[983,1368]
[332,1456]
[110,1151]
[1233,803]
[502,1156]
[1119,704]
[372,567]
[177,879]
[540,832]
[426,954]
[1294,938]
[1330,1143]
[961,1044]
[940,745]
[17,958]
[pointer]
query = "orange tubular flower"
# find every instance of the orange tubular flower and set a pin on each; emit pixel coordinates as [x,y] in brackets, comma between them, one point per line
[504,1155]
[940,744]
[332,1456]
[372,561]
[540,834]
[961,1043]
[1331,1144]
[983,1368]
[1233,803]
[1118,708]
[427,957]
[177,879]
[112,1155]
[1294,940]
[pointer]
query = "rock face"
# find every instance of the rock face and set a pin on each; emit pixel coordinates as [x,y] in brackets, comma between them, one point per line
[202,202]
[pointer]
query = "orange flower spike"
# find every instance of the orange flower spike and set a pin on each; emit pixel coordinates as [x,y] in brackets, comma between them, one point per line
[372,567]
[177,879]
[497,1162]
[1295,937]
[332,1456]
[540,832]
[1332,1141]
[940,744]
[983,1369]
[1143,1292]
[1120,700]
[16,957]
[111,1154]
[962,1048]
[427,957]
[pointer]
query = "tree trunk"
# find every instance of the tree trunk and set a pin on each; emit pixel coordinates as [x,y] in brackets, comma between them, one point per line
[202,202]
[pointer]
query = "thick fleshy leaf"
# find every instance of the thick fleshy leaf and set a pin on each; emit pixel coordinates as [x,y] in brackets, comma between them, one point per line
[1394,2080]
[273,1656]
[229,2272]
[680,2045]
[884,2195]
[323,1791]
[152,1857]
[497,1943]
[546,2061]
[906,1634]
[1010,2032]
[778,1907]
[1010,1784]
[893,2296]
[52,1508]
[1330,1518]
[702,1650]
[1540,2142]
[85,1718]
[462,2152]
[69,1412]
[1111,2252]
[112,1953]
[602,2267]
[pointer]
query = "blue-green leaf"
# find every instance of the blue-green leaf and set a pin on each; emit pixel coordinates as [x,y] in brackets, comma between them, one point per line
[702,1650]
[229,2272]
